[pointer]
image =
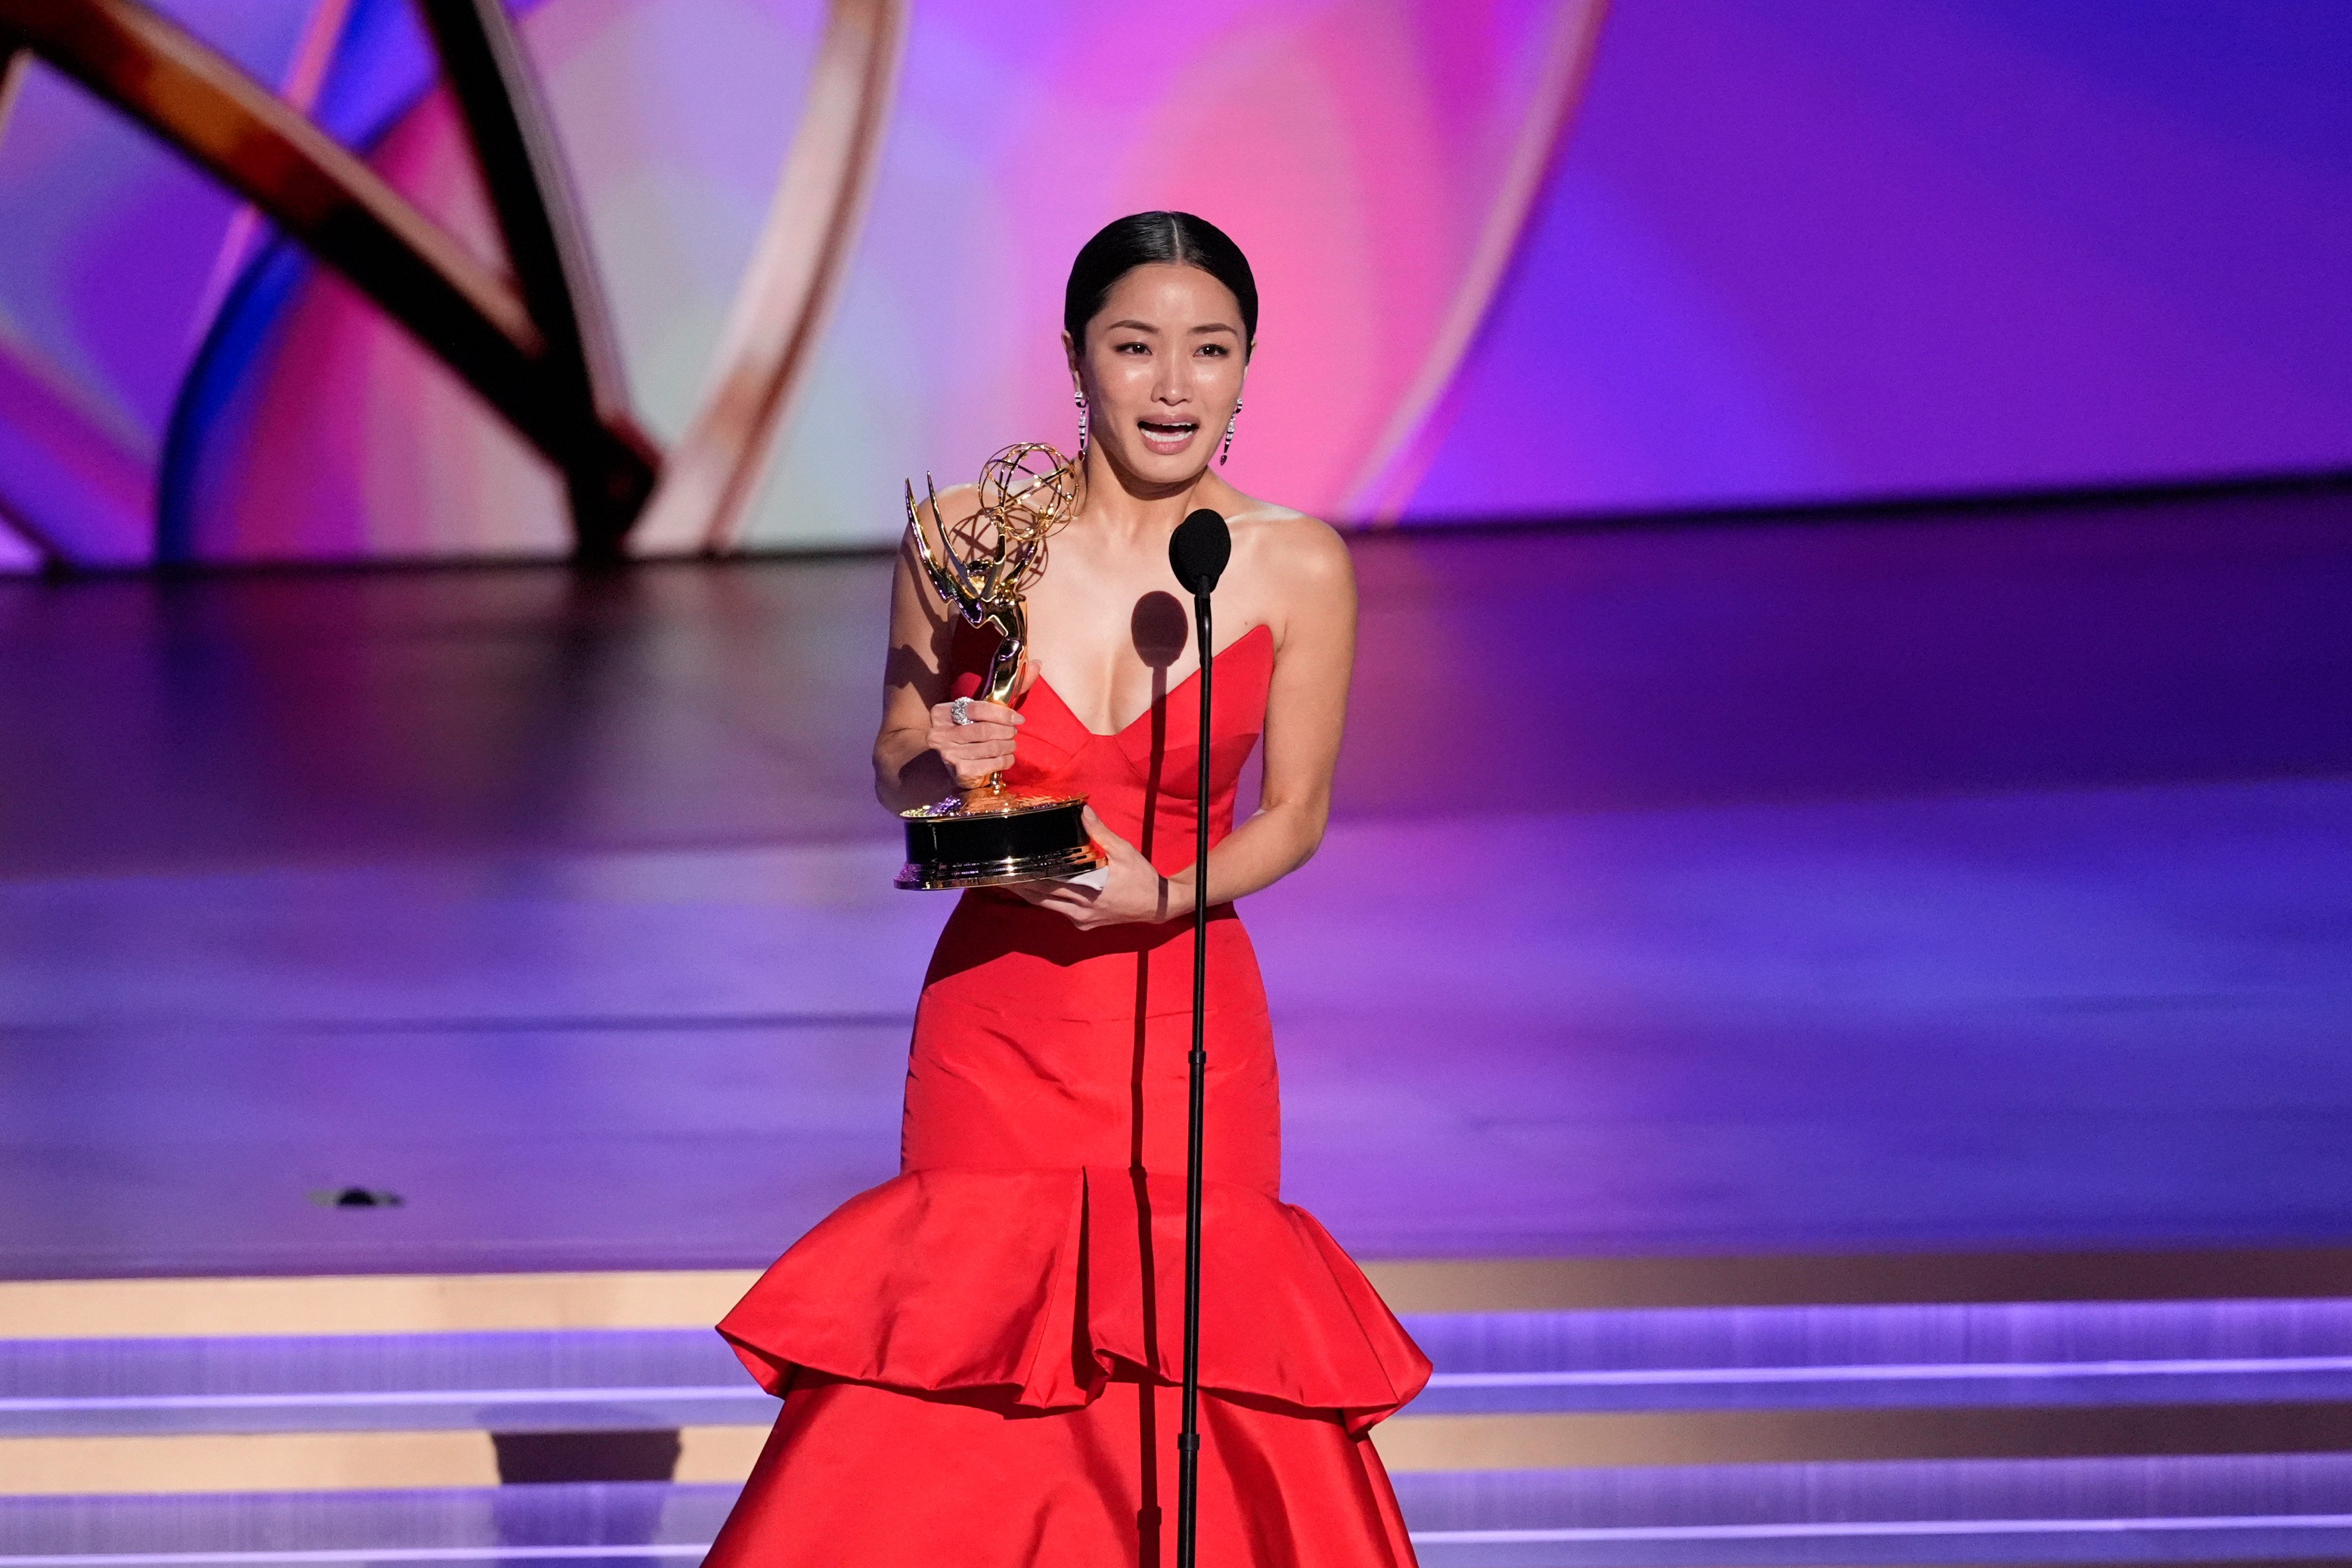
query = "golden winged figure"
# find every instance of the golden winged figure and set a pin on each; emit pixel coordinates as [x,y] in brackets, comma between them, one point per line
[1028,492]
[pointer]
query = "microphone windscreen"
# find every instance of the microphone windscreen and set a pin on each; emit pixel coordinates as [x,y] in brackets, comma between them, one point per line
[1198,549]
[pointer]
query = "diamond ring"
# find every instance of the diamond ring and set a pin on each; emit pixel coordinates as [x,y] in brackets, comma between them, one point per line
[959,711]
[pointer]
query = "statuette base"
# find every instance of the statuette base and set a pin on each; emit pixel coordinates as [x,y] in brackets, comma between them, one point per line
[991,837]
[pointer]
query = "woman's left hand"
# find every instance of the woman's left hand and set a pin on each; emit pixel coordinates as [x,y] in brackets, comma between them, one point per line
[1134,892]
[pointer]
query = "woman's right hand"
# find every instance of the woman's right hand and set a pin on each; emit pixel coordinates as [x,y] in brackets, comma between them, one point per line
[972,752]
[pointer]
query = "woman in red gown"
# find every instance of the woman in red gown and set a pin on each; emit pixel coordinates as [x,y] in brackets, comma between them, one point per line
[979,1359]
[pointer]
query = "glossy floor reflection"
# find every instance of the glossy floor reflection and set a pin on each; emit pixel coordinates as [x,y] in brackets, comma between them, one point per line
[1943,882]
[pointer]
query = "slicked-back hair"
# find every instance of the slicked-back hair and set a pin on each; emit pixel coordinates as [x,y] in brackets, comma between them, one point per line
[1140,239]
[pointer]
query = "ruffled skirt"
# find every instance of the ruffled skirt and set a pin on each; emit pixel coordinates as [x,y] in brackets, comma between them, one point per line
[976,1369]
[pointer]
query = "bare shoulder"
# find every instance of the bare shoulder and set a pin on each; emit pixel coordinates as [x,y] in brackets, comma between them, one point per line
[1296,568]
[1303,552]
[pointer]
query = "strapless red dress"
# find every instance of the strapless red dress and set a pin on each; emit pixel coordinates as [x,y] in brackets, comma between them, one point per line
[978,1358]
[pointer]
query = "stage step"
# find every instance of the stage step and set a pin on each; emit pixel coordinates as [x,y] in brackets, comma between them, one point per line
[2117,1431]
[2033,1354]
[1907,1356]
[562,1380]
[2203,1509]
[2265,1509]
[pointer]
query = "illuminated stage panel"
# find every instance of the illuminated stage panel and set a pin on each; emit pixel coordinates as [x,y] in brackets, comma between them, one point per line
[2189,1510]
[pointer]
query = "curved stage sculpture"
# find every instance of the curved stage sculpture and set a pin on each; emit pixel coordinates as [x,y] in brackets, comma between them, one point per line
[824,261]
[538,343]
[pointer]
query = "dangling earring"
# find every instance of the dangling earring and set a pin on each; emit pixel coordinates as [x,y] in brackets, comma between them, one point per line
[1080,399]
[1229,433]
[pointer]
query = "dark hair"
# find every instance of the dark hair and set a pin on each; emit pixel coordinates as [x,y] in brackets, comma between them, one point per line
[1141,239]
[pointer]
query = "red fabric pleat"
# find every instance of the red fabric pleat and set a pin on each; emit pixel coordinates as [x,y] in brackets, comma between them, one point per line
[1043,1286]
[855,1474]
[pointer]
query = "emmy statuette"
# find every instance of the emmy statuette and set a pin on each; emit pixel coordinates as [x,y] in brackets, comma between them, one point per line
[988,835]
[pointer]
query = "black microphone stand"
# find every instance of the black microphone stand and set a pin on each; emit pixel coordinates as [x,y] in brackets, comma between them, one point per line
[1198,552]
[1188,1441]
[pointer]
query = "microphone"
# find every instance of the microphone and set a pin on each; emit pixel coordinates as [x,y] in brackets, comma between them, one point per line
[1198,549]
[1198,552]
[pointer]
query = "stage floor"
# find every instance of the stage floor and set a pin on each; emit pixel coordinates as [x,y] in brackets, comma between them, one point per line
[1933,883]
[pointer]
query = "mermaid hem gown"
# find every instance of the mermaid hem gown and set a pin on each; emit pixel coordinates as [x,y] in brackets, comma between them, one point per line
[978,1358]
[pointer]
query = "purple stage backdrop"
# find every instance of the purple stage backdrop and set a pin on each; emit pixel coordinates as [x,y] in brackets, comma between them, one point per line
[1521,258]
[1813,250]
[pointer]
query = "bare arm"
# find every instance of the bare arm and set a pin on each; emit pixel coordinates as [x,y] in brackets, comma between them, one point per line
[922,754]
[1307,709]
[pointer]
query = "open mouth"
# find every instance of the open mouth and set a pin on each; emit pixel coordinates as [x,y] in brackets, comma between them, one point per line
[1167,437]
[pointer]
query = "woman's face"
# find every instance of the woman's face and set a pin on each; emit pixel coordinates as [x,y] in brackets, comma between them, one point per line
[1161,371]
